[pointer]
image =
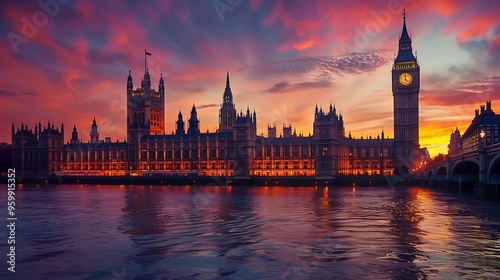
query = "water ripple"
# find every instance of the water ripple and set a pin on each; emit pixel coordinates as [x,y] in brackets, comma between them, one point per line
[143,232]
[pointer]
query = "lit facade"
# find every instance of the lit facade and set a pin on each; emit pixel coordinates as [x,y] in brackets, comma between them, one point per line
[234,149]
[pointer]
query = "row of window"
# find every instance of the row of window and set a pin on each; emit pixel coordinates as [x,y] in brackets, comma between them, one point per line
[96,155]
[268,165]
[283,151]
[372,152]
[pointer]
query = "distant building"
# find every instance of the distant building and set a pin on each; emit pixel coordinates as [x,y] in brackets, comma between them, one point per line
[37,153]
[234,149]
[455,146]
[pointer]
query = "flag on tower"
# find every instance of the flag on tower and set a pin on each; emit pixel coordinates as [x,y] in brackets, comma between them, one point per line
[147,53]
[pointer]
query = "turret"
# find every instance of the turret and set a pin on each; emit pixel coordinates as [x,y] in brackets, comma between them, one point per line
[287,130]
[146,81]
[271,131]
[94,134]
[341,122]
[194,123]
[130,84]
[179,125]
[161,86]
[74,135]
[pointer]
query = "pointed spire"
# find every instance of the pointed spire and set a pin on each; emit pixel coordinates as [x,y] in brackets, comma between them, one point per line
[94,122]
[404,34]
[405,53]
[227,97]
[129,78]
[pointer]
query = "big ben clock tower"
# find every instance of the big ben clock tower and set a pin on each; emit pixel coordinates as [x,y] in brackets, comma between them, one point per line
[405,89]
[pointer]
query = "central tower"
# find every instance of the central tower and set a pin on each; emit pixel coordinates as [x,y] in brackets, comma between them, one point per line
[405,89]
[227,114]
[145,114]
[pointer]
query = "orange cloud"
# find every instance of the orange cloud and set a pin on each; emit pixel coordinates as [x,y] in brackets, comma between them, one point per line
[302,45]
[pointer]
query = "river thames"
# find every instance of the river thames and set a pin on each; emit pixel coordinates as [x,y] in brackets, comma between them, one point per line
[167,232]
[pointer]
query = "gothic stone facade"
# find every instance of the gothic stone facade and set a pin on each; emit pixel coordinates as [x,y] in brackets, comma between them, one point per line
[234,149]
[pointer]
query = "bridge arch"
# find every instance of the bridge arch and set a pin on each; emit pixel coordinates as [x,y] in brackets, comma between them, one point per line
[441,173]
[493,176]
[466,171]
[429,175]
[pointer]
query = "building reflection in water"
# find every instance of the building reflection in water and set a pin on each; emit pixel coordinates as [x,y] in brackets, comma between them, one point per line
[145,220]
[236,227]
[406,215]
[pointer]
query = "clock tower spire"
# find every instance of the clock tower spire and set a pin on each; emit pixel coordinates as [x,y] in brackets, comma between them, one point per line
[405,89]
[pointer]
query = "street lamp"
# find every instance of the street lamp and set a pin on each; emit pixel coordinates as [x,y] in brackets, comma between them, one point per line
[482,134]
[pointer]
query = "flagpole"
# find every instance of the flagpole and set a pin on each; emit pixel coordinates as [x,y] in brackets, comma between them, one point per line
[145,66]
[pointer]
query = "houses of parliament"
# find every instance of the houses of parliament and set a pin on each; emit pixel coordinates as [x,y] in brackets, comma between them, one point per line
[234,149]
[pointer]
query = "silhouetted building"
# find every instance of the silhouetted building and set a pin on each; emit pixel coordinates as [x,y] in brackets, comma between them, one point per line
[455,146]
[485,129]
[37,153]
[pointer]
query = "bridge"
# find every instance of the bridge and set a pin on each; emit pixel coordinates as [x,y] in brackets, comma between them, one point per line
[478,166]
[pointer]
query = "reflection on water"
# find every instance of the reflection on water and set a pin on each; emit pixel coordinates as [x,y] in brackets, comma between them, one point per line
[160,232]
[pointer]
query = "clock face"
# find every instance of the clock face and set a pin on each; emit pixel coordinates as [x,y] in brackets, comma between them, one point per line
[405,78]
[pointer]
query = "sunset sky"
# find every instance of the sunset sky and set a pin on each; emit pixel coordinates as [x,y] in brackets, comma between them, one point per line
[283,58]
